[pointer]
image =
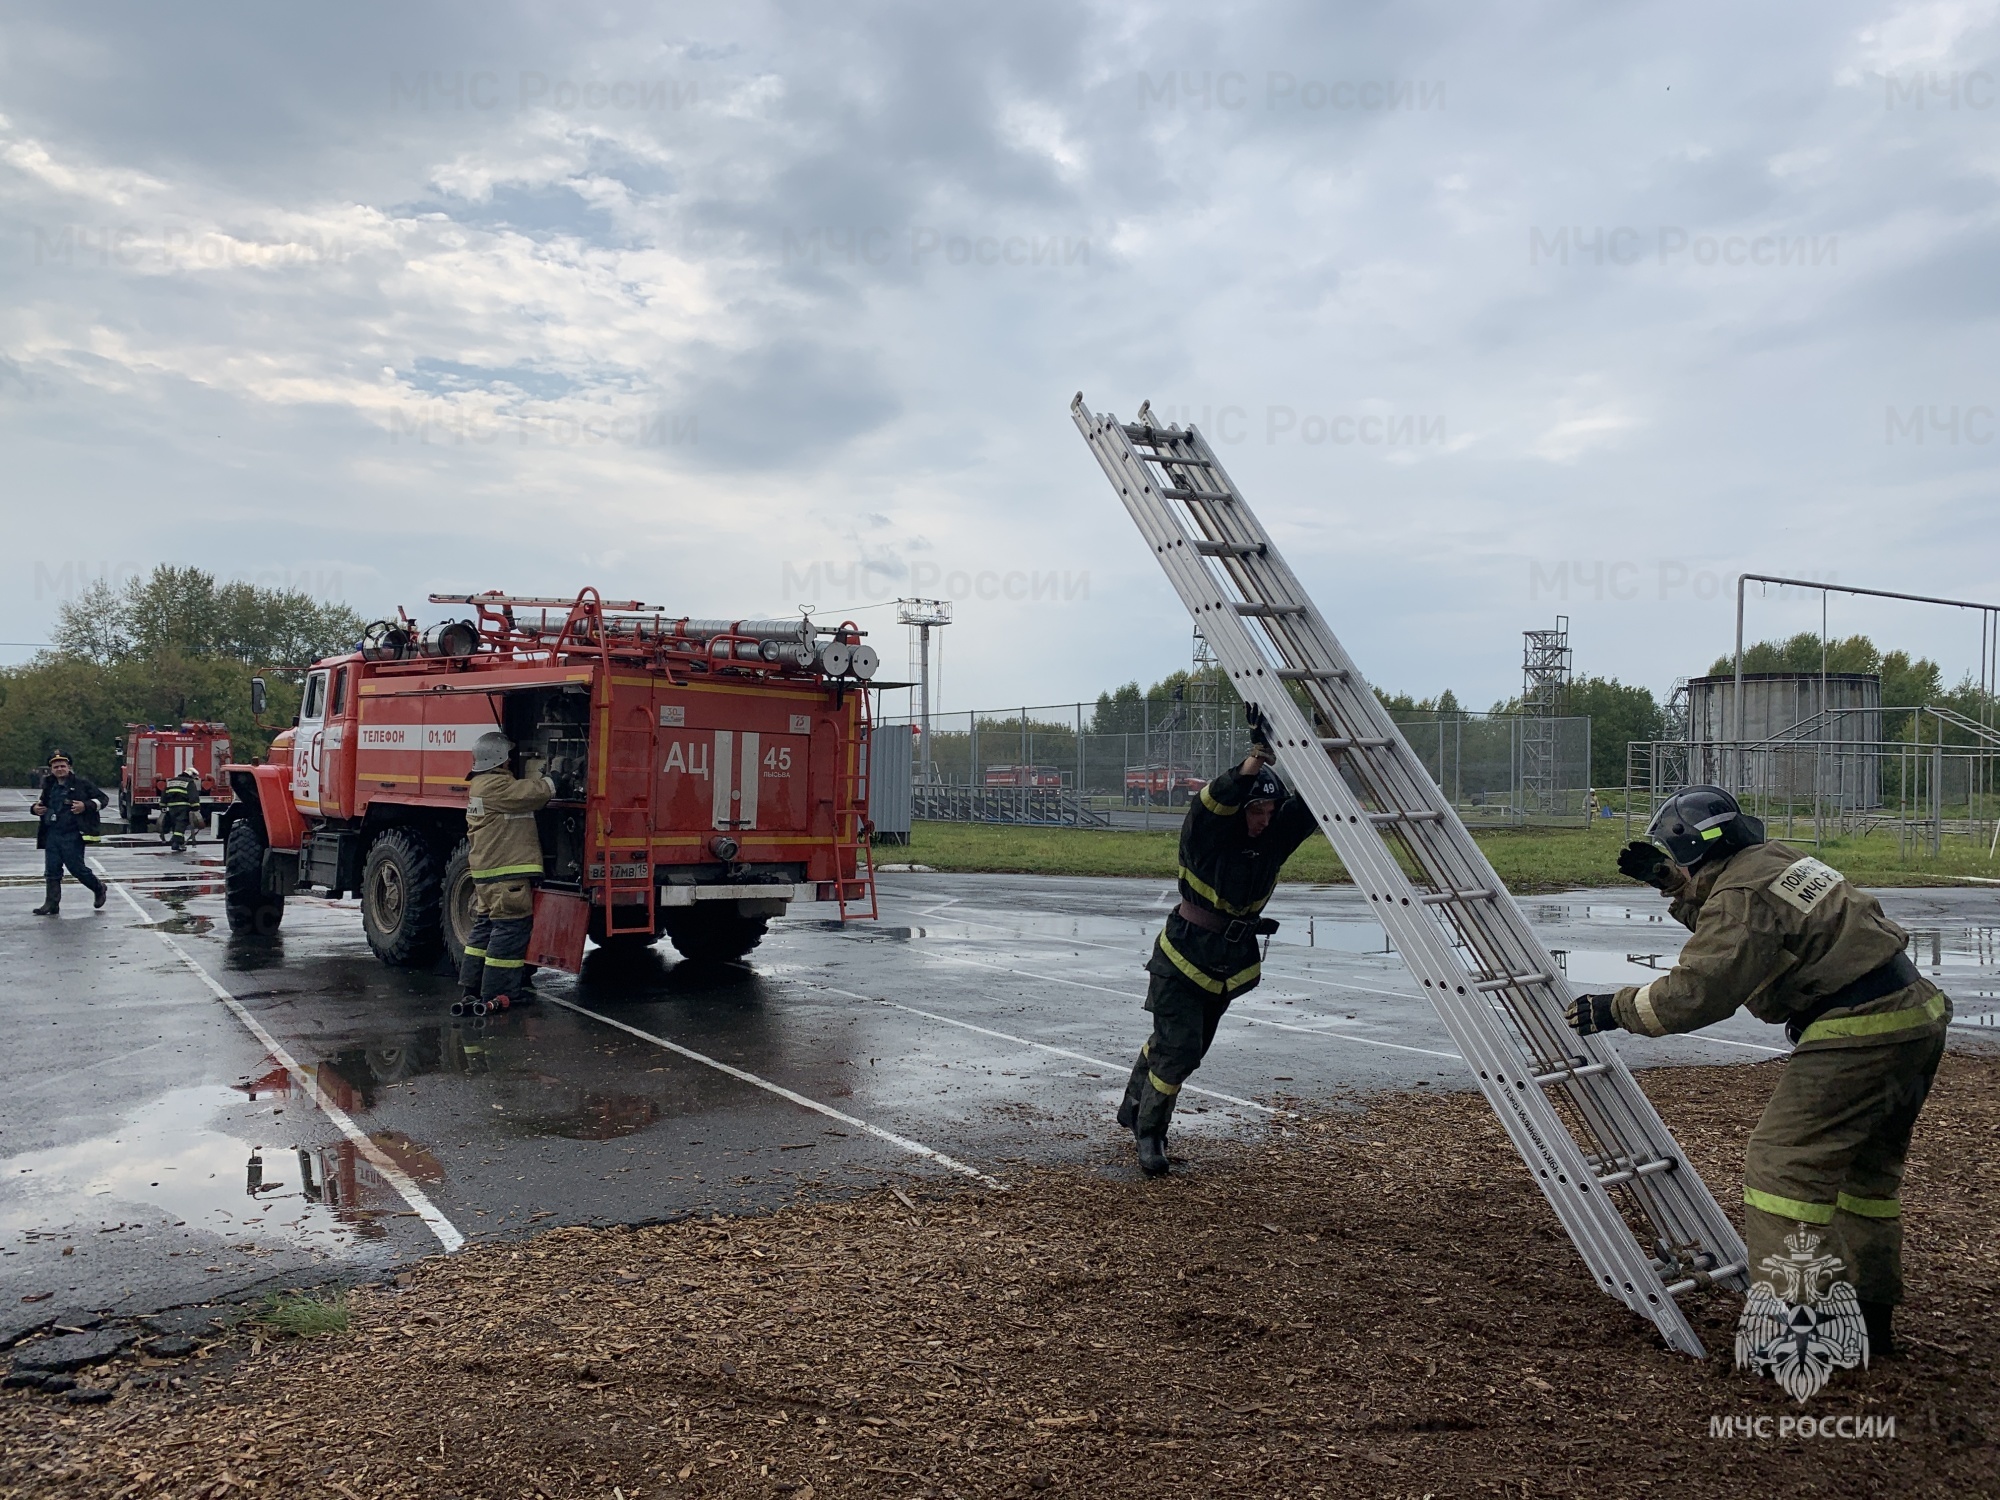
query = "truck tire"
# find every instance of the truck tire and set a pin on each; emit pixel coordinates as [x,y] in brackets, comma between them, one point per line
[713,936]
[137,819]
[620,942]
[402,899]
[252,911]
[458,888]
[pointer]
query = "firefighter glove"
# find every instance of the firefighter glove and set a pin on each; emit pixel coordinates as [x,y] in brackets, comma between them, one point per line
[1260,730]
[1590,1014]
[1647,863]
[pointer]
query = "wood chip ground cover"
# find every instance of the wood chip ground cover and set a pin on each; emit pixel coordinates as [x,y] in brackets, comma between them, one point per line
[1371,1302]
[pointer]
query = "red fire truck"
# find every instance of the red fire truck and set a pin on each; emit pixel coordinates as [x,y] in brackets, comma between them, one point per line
[1161,786]
[152,755]
[1023,776]
[708,773]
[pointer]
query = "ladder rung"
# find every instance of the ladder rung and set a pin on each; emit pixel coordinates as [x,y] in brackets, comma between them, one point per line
[1564,1075]
[1509,981]
[1338,742]
[1708,1278]
[1644,1169]
[1175,492]
[1423,815]
[1268,611]
[1445,898]
[1227,549]
[1310,674]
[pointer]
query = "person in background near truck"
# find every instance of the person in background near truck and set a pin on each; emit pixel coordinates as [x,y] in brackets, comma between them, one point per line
[1239,831]
[506,862]
[180,805]
[1786,935]
[68,808]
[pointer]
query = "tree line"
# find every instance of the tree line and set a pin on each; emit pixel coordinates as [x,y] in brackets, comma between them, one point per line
[1618,712]
[172,646]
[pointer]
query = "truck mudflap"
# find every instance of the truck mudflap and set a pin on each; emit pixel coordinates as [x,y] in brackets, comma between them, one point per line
[562,921]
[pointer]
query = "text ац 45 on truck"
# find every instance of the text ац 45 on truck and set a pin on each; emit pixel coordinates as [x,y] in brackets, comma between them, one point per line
[707,772]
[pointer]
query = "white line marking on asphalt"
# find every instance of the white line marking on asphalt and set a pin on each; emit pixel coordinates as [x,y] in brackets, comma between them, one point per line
[916,1148]
[1343,1037]
[1302,958]
[49,1082]
[1723,1041]
[949,958]
[1097,1062]
[447,1233]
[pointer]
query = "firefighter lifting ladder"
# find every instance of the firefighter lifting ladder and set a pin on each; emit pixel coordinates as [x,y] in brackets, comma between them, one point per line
[1639,1213]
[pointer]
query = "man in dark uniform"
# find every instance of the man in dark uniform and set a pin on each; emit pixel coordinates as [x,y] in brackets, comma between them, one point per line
[1239,831]
[69,808]
[1786,935]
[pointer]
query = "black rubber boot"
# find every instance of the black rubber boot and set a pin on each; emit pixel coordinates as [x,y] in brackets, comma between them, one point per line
[1128,1107]
[1881,1340]
[100,896]
[1149,1129]
[52,904]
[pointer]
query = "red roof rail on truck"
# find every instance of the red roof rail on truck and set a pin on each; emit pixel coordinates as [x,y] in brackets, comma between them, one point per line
[709,773]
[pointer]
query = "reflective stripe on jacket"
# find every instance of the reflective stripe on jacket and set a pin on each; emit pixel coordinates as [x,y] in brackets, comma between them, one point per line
[1223,870]
[500,818]
[1778,931]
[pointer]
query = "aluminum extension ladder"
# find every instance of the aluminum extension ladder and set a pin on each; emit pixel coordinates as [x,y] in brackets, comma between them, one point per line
[1639,1213]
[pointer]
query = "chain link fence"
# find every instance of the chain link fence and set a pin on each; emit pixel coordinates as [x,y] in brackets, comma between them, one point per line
[1135,764]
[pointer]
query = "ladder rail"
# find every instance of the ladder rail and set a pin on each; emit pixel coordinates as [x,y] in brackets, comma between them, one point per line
[1493,984]
[1496,933]
[1443,851]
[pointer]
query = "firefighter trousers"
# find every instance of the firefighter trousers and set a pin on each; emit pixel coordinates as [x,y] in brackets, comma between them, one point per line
[1184,1022]
[1827,1157]
[64,851]
[496,957]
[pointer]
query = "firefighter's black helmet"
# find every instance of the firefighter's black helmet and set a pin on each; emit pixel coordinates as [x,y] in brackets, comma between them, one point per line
[1701,822]
[1266,788]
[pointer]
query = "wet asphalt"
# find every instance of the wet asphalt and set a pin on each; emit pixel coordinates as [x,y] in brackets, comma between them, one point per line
[187,1117]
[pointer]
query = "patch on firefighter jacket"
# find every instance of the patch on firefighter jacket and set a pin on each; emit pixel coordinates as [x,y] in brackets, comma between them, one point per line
[475,806]
[1800,1323]
[1805,883]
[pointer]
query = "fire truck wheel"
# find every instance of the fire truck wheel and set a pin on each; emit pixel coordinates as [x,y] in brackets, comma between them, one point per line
[402,898]
[136,820]
[251,910]
[714,936]
[458,888]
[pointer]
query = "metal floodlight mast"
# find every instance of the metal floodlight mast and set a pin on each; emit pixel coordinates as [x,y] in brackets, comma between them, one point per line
[926,615]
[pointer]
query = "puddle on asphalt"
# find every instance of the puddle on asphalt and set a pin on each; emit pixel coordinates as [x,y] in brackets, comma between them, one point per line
[502,1051]
[172,1160]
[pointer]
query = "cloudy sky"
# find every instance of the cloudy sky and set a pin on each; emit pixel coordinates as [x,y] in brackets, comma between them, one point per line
[1493,313]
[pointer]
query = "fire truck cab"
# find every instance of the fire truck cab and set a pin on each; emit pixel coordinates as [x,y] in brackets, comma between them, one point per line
[151,755]
[708,773]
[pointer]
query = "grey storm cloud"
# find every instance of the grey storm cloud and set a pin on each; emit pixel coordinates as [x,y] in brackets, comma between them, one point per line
[1483,309]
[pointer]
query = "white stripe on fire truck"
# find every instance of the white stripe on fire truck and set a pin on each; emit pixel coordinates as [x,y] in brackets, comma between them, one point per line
[725,772]
[746,806]
[443,738]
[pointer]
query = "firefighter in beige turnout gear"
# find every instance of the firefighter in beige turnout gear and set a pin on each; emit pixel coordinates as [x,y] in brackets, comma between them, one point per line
[1786,935]
[506,862]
